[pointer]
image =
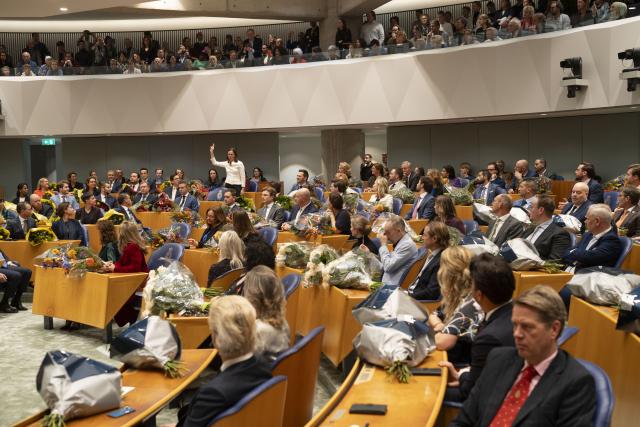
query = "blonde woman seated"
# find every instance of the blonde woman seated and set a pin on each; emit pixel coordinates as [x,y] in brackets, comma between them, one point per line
[382,196]
[231,256]
[458,317]
[265,292]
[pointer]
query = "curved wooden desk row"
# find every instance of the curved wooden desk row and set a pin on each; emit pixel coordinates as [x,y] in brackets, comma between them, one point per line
[614,351]
[152,391]
[22,251]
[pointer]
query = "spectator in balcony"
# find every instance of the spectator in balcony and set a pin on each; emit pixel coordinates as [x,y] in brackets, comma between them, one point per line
[445,27]
[132,69]
[583,15]
[528,24]
[436,42]
[26,71]
[99,53]
[199,45]
[355,50]
[333,53]
[173,64]
[312,37]
[343,35]
[25,58]
[110,50]
[375,49]
[202,61]
[371,30]
[401,45]
[492,13]
[391,39]
[280,56]
[60,51]
[254,42]
[298,57]
[436,31]
[5,60]
[540,19]
[513,28]
[213,63]
[423,24]
[147,52]
[54,69]
[128,48]
[468,38]
[83,56]
[458,33]
[6,71]
[505,14]
[114,67]
[266,55]
[600,11]
[37,49]
[228,45]
[46,66]
[618,10]
[418,41]
[317,55]
[483,24]
[476,8]
[418,13]
[69,64]
[292,41]
[556,20]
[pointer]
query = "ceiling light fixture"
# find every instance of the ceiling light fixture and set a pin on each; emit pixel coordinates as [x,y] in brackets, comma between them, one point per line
[63,9]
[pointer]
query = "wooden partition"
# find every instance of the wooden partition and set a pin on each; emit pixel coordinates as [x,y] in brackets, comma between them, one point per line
[341,326]
[464,212]
[22,252]
[632,261]
[562,189]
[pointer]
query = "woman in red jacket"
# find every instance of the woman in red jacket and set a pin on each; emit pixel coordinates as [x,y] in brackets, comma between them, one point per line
[133,249]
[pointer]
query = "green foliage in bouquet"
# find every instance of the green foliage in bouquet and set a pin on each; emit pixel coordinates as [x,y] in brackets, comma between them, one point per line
[285,202]
[39,235]
[116,217]
[460,196]
[615,184]
[294,255]
[174,369]
[407,196]
[374,286]
[350,202]
[400,371]
[53,420]
[4,233]
[212,292]
[245,203]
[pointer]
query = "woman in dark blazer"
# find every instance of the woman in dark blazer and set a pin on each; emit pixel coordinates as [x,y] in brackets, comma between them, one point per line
[67,227]
[214,220]
[341,216]
[89,214]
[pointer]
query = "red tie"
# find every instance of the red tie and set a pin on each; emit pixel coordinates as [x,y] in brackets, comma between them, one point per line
[514,400]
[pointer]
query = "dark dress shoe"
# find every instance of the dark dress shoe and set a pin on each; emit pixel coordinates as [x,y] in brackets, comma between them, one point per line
[6,308]
[19,306]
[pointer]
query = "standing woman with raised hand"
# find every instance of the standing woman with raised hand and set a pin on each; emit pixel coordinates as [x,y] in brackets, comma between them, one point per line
[235,170]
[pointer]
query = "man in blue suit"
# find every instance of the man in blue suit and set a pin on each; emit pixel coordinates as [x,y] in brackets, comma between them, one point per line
[579,202]
[64,196]
[494,175]
[586,172]
[600,246]
[424,206]
[124,200]
[303,207]
[486,190]
[185,200]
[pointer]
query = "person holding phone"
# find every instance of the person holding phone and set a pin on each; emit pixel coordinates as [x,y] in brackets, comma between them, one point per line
[236,177]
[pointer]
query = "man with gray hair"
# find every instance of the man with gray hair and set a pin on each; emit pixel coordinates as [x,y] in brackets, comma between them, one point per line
[536,374]
[409,177]
[395,263]
[303,206]
[505,227]
[600,245]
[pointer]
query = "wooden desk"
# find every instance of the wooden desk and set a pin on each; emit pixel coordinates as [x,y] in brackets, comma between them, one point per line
[22,252]
[528,279]
[336,241]
[92,300]
[155,220]
[464,212]
[414,404]
[152,392]
[199,261]
[205,205]
[614,351]
[632,261]
[312,308]
[340,325]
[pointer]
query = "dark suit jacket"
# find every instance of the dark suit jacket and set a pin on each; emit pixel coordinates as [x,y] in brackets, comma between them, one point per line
[604,252]
[117,185]
[223,391]
[492,192]
[151,198]
[631,222]
[426,210]
[496,332]
[553,243]
[276,214]
[511,229]
[565,395]
[428,287]
[109,200]
[121,210]
[411,181]
[14,227]
[580,213]
[75,231]
[596,192]
[343,222]
[308,210]
[46,210]
[190,202]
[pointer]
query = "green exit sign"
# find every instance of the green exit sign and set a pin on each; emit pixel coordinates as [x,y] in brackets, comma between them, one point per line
[48,141]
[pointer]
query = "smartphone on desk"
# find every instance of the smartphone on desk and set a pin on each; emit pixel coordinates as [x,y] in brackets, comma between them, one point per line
[121,412]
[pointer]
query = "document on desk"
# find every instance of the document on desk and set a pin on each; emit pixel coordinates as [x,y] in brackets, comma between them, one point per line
[125,389]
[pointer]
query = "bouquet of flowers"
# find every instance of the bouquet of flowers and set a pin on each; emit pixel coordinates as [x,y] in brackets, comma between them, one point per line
[53,257]
[171,289]
[80,260]
[163,204]
[351,202]
[455,236]
[356,269]
[460,196]
[294,254]
[259,222]
[48,202]
[615,184]
[168,234]
[150,343]
[39,235]
[77,193]
[112,215]
[4,233]
[48,195]
[318,258]
[378,226]
[309,226]
[197,189]
[142,206]
[543,185]
[407,196]
[155,240]
[188,217]
[165,184]
[74,386]
[285,202]
[245,203]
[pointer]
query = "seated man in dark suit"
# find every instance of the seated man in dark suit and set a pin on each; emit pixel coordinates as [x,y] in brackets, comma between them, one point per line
[505,227]
[105,196]
[521,172]
[495,174]
[232,321]
[303,206]
[270,210]
[627,215]
[586,173]
[527,190]
[173,191]
[38,207]
[600,245]
[425,205]
[230,202]
[535,383]
[184,200]
[15,279]
[436,239]
[486,190]
[145,195]
[409,177]
[579,202]
[492,286]
[124,200]
[550,240]
[18,228]
[540,166]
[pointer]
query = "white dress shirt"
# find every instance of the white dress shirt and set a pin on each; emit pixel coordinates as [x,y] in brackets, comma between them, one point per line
[540,228]
[267,210]
[235,171]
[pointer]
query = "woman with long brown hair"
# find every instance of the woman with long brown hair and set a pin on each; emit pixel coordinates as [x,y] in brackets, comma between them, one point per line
[236,177]
[214,220]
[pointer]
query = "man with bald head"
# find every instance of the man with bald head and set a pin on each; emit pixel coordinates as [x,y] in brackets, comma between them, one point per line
[579,203]
[39,207]
[303,206]
[522,171]
[505,227]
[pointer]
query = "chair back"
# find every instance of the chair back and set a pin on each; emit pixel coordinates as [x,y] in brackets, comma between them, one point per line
[253,186]
[269,234]
[164,255]
[397,205]
[287,216]
[604,394]
[264,403]
[611,199]
[414,270]
[300,365]
[566,334]
[319,193]
[627,244]
[336,241]
[469,226]
[291,283]
[226,280]
[182,230]
[86,235]
[216,195]
[574,240]
[418,225]
[357,189]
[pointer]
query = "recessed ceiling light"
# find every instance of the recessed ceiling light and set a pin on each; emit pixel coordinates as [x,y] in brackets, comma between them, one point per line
[543,114]
[63,9]
[633,108]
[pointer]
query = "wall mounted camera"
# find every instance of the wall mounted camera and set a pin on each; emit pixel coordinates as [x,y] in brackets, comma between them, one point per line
[631,75]
[573,82]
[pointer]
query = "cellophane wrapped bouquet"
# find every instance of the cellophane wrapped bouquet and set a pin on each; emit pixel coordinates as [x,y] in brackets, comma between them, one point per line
[76,260]
[310,226]
[378,226]
[318,259]
[294,254]
[173,290]
[356,269]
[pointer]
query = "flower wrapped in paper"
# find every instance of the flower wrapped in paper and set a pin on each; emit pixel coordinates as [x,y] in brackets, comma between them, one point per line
[351,202]
[460,196]
[4,233]
[309,226]
[81,260]
[165,184]
[77,193]
[188,217]
[318,259]
[41,220]
[407,196]
[602,285]
[49,202]
[483,212]
[142,206]
[259,222]
[568,222]
[477,243]
[629,312]
[150,343]
[52,257]
[39,235]
[171,289]
[521,254]
[112,215]
[285,202]
[377,226]
[356,269]
[197,190]
[294,254]
[388,302]
[75,386]
[163,204]
[615,184]
[170,234]
[10,206]
[395,344]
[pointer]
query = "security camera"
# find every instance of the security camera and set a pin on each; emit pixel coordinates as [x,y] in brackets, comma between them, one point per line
[574,82]
[631,75]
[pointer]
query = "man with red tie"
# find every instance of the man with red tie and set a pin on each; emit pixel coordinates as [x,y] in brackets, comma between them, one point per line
[535,383]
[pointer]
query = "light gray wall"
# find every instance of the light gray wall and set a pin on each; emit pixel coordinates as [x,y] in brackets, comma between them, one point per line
[610,141]
[13,169]
[190,152]
[299,151]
